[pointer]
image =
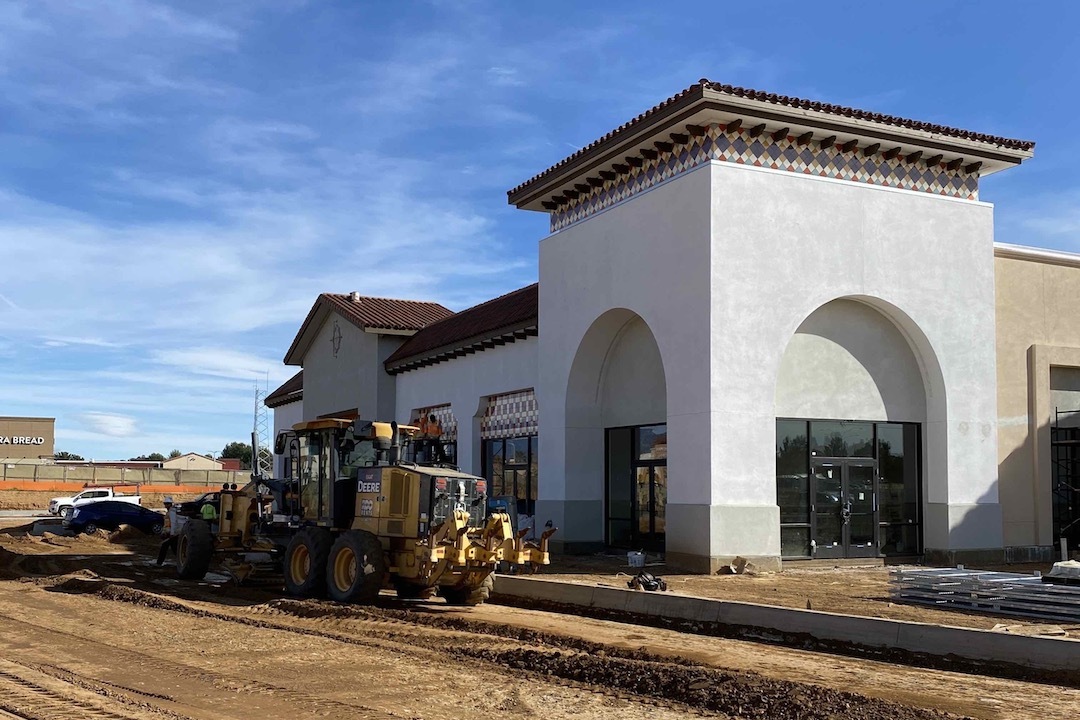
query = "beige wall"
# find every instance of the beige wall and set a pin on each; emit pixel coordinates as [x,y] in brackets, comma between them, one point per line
[14,432]
[191,461]
[1038,331]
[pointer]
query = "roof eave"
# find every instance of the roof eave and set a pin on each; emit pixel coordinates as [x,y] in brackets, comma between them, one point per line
[706,104]
[528,327]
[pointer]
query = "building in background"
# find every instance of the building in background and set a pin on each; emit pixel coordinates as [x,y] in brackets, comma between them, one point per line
[772,328]
[27,439]
[193,461]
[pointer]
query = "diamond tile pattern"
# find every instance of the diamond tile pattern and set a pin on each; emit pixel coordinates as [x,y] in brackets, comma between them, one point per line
[510,415]
[784,154]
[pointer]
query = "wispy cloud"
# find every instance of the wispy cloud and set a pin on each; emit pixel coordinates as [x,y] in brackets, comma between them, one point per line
[109,424]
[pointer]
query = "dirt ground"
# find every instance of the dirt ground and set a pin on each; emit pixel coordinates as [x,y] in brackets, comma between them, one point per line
[92,628]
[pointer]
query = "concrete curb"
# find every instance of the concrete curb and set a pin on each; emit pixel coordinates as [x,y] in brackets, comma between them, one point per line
[968,643]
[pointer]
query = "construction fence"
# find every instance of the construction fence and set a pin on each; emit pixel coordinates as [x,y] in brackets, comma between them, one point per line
[13,474]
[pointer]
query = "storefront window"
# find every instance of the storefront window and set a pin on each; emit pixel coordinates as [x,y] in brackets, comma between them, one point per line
[511,466]
[793,487]
[652,442]
[898,488]
[842,439]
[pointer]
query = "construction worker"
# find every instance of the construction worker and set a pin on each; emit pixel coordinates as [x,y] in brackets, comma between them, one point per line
[208,512]
[170,539]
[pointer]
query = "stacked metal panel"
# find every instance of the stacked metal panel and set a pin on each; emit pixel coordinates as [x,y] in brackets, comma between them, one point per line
[996,593]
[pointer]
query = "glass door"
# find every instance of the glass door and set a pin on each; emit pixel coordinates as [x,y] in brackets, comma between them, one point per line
[844,509]
[650,495]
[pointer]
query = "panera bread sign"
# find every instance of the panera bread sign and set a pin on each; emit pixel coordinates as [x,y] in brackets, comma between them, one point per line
[16,440]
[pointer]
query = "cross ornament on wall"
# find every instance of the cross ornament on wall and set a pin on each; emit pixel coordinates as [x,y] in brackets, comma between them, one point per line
[335,339]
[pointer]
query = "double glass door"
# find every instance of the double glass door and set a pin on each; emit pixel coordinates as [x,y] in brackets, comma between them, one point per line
[650,487]
[844,508]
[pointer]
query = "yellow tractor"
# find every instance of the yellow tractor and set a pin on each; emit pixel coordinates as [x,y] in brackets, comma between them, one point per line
[364,505]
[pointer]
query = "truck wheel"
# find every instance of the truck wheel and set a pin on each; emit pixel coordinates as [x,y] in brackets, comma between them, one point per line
[356,568]
[63,510]
[305,562]
[470,595]
[194,548]
[90,529]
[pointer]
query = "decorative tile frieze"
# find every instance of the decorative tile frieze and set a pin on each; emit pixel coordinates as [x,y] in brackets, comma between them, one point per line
[510,415]
[716,144]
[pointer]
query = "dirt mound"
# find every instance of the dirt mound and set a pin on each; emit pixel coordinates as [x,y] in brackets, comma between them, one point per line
[122,593]
[738,694]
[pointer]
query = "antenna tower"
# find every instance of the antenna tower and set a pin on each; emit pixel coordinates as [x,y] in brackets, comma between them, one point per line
[262,457]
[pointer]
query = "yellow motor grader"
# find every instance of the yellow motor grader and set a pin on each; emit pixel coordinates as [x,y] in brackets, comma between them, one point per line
[362,507]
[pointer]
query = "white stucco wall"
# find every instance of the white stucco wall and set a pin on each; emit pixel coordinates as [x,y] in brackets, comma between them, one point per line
[724,264]
[353,379]
[464,383]
[784,245]
[848,361]
[285,416]
[632,385]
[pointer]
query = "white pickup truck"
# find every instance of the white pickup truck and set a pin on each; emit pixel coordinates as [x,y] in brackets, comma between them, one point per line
[60,505]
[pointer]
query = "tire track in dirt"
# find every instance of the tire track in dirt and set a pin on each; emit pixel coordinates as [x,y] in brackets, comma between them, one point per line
[29,698]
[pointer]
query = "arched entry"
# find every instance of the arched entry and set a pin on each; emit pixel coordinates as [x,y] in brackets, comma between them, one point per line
[856,389]
[616,428]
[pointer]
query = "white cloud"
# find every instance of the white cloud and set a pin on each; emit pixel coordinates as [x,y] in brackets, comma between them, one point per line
[111,424]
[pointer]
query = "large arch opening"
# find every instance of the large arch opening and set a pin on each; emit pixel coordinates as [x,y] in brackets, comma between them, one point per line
[616,429]
[857,387]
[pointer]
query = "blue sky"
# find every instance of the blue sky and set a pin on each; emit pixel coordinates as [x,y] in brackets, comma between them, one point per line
[179,182]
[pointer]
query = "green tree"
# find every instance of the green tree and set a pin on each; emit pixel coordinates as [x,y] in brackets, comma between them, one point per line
[239,450]
[64,455]
[174,454]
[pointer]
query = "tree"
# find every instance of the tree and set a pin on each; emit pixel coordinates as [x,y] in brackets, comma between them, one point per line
[152,457]
[239,450]
[64,455]
[174,454]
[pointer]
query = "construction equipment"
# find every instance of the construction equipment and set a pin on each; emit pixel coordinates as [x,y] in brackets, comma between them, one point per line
[360,509]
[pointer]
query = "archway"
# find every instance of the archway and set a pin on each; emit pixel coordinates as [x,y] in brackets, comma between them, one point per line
[616,430]
[857,387]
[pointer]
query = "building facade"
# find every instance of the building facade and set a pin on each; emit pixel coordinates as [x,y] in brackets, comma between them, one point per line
[27,439]
[771,328]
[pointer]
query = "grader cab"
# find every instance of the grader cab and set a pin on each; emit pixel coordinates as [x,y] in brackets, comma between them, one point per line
[362,509]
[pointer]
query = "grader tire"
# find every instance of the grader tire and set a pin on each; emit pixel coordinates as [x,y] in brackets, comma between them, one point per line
[470,596]
[305,562]
[412,591]
[194,549]
[356,568]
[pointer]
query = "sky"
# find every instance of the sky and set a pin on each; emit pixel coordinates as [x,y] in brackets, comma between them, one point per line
[179,182]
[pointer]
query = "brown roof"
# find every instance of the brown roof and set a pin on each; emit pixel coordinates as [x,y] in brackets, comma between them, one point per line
[507,318]
[290,391]
[368,313]
[696,92]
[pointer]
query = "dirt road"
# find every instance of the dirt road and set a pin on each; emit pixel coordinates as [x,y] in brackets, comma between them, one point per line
[86,633]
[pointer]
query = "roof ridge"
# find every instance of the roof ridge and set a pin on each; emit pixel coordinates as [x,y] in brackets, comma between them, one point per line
[348,295]
[480,305]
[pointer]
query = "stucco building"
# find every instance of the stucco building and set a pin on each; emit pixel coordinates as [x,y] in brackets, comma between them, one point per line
[770,327]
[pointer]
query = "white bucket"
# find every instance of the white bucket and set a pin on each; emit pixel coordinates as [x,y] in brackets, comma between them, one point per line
[635,559]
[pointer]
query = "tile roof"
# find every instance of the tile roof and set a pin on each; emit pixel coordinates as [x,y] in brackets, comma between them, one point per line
[368,313]
[290,391]
[385,313]
[515,311]
[696,91]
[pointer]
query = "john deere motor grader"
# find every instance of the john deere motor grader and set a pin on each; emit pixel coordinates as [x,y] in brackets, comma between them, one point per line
[361,508]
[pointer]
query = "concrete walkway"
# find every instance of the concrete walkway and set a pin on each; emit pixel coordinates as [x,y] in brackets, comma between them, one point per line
[1046,653]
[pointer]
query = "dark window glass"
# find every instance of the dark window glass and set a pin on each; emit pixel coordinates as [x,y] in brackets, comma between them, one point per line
[792,483]
[795,541]
[842,439]
[898,473]
[534,473]
[619,487]
[652,442]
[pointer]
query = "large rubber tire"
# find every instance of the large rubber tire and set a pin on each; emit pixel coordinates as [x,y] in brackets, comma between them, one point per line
[305,562]
[194,549]
[470,596]
[356,569]
[412,591]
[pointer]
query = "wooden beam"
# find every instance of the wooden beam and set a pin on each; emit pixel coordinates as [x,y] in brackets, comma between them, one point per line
[620,168]
[954,164]
[849,146]
[890,154]
[913,157]
[595,181]
[663,147]
[634,161]
[488,344]
[608,175]
[734,125]
[973,167]
[756,130]
[649,154]
[679,138]
[828,142]
[696,130]
[805,138]
[571,194]
[780,134]
[582,188]
[531,331]
[549,205]
[871,149]
[934,161]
